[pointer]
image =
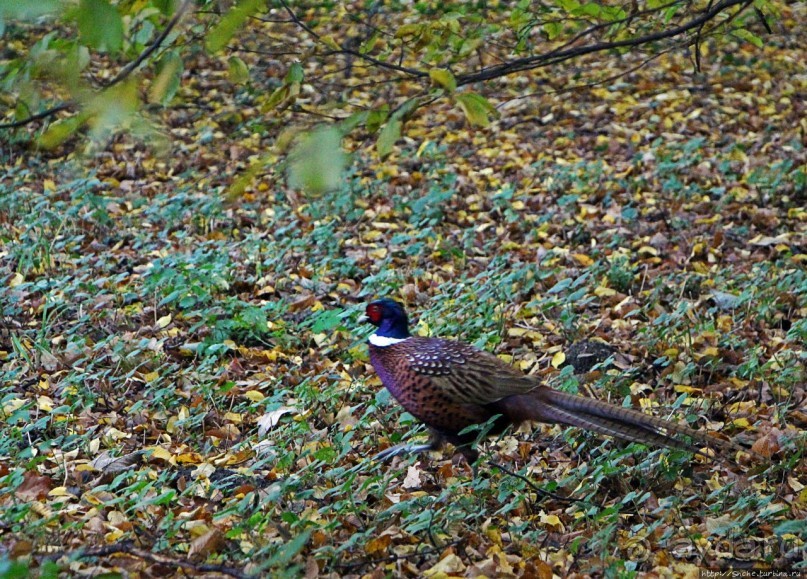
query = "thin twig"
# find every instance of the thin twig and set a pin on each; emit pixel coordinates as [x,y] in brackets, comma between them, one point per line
[129,68]
[391,558]
[380,63]
[698,41]
[39,116]
[764,20]
[533,486]
[126,547]
[592,84]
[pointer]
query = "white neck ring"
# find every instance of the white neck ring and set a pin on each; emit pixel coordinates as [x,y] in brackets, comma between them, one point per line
[384,341]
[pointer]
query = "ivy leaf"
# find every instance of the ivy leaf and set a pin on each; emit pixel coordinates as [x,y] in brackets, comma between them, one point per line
[795,527]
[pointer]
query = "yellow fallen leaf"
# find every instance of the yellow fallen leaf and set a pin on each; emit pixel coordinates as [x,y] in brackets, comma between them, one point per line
[189,458]
[234,417]
[494,535]
[13,405]
[254,395]
[582,259]
[44,403]
[164,321]
[377,544]
[551,521]
[113,536]
[160,453]
[602,292]
[558,359]
[741,422]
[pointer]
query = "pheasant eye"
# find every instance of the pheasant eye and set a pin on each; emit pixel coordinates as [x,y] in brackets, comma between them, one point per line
[374,313]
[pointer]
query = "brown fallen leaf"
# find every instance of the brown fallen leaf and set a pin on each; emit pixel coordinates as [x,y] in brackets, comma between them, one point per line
[206,544]
[302,303]
[768,445]
[114,464]
[34,487]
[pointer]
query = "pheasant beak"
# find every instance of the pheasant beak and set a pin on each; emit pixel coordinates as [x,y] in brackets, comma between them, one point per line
[364,319]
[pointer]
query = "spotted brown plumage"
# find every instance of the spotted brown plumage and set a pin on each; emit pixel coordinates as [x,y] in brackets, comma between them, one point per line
[451,386]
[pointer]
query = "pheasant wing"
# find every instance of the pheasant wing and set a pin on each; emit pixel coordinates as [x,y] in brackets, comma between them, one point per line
[466,374]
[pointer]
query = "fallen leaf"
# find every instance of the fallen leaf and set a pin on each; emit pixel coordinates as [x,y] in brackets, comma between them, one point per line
[412,480]
[206,544]
[269,420]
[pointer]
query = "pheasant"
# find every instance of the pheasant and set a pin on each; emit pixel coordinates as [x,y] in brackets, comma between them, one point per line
[451,386]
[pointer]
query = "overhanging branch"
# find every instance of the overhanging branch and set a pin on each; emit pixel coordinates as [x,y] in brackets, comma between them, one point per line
[556,56]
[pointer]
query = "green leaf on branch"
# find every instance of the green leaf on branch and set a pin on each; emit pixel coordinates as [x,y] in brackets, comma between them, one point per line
[295,74]
[317,162]
[476,108]
[569,6]
[113,109]
[552,30]
[237,70]
[100,25]
[376,118]
[589,9]
[166,83]
[443,78]
[60,131]
[229,24]
[388,136]
[749,36]
[391,131]
[347,125]
[287,93]
[16,10]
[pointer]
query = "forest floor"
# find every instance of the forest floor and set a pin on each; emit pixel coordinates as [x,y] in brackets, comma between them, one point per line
[185,385]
